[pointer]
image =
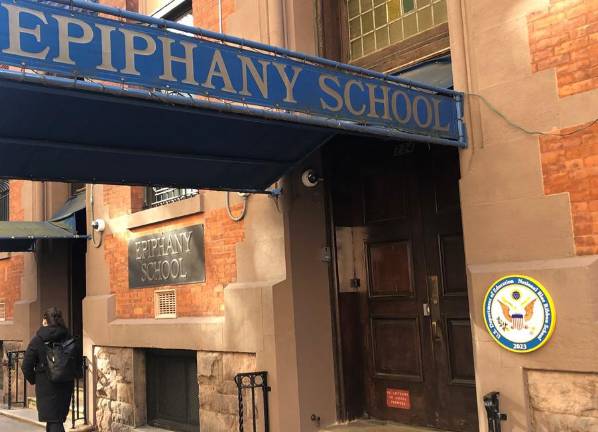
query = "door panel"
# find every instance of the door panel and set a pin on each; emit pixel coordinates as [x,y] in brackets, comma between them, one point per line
[396,348]
[460,360]
[390,265]
[452,255]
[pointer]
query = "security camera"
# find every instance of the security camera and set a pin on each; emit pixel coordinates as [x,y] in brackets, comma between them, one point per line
[310,178]
[99,225]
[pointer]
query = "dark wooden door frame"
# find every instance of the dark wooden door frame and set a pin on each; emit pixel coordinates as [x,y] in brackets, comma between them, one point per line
[342,403]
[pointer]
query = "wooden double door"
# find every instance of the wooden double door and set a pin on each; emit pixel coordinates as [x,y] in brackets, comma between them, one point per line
[404,317]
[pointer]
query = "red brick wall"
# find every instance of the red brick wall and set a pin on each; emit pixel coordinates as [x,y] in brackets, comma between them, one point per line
[205,13]
[565,37]
[11,269]
[199,299]
[570,164]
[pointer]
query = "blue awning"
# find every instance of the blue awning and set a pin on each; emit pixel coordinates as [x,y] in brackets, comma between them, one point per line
[235,115]
[53,133]
[19,236]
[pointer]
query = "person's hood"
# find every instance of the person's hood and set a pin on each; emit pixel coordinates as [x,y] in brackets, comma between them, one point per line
[52,333]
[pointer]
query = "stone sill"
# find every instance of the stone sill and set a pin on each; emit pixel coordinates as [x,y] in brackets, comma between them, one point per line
[4,255]
[166,212]
[170,321]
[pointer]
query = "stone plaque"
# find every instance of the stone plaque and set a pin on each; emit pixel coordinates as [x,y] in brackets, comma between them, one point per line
[397,398]
[167,258]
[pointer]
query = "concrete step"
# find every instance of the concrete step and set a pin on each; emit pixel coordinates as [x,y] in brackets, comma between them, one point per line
[376,426]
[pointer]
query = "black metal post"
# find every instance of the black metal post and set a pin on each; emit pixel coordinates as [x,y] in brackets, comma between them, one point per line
[16,377]
[492,405]
[251,381]
[85,389]
[266,389]
[9,354]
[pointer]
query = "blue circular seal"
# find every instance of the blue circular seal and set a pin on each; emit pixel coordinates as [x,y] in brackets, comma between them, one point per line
[519,313]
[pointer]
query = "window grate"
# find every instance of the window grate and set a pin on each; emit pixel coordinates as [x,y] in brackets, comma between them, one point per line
[4,196]
[165,303]
[157,196]
[2,311]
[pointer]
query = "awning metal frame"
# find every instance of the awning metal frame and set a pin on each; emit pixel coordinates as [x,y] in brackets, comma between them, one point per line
[153,94]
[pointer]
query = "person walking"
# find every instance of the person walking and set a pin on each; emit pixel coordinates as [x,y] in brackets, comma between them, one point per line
[51,365]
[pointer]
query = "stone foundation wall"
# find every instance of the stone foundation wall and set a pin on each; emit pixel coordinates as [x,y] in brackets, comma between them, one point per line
[218,397]
[563,401]
[120,388]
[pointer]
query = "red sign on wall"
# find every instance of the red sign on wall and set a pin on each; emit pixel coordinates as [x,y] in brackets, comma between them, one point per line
[397,398]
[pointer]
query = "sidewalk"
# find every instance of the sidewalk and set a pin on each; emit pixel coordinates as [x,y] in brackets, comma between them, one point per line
[20,416]
[10,425]
[29,416]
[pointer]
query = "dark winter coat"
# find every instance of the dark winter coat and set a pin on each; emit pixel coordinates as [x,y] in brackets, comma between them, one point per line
[53,399]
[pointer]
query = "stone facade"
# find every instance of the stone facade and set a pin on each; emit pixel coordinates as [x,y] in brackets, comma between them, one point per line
[218,397]
[563,401]
[120,391]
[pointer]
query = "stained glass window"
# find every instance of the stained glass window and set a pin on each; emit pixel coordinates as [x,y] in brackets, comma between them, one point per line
[375,24]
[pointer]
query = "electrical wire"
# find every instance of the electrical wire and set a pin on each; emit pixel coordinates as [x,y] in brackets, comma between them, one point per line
[243,212]
[527,131]
[93,231]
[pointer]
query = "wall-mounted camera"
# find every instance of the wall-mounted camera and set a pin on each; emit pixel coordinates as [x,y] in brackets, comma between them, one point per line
[99,225]
[310,178]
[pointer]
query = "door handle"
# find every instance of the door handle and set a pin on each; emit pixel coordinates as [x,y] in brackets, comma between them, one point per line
[426,308]
[436,332]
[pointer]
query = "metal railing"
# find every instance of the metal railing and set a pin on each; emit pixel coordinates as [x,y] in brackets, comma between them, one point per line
[247,383]
[14,359]
[79,399]
[495,417]
[157,196]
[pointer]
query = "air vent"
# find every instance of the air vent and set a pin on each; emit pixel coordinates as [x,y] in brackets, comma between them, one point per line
[165,303]
[2,311]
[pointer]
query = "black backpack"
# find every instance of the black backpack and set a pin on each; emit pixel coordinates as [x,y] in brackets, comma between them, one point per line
[61,360]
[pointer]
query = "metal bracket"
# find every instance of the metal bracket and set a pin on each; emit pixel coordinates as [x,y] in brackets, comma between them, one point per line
[274,192]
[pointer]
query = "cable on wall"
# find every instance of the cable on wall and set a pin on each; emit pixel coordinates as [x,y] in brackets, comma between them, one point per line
[240,217]
[528,131]
[93,231]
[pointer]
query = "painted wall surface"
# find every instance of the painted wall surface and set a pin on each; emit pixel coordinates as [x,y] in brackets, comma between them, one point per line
[528,199]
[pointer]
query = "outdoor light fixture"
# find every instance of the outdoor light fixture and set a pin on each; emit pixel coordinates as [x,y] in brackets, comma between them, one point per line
[310,178]
[99,225]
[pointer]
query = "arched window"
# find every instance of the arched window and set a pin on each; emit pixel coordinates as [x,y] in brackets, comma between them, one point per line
[4,192]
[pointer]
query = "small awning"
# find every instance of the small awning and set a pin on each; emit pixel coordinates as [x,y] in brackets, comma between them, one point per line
[22,236]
